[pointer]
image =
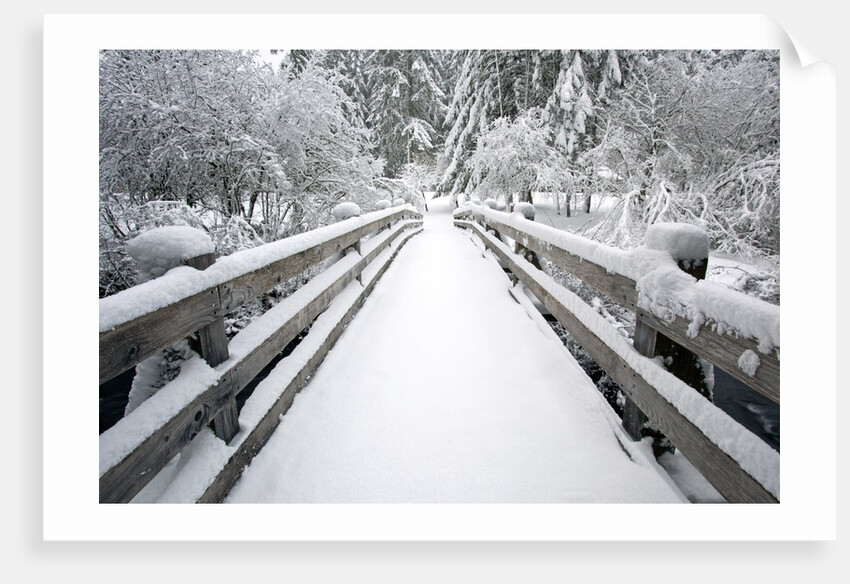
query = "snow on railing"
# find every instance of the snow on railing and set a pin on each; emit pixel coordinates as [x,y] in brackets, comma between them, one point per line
[663,289]
[182,282]
[139,445]
[651,282]
[138,322]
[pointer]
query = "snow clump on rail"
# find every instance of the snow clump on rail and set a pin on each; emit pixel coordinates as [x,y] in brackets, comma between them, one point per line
[346,210]
[749,362]
[157,250]
[680,240]
[527,210]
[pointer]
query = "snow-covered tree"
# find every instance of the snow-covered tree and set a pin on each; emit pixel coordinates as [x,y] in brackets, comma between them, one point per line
[695,138]
[570,105]
[226,136]
[491,85]
[474,102]
[180,125]
[514,158]
[586,81]
[325,157]
[406,105]
[351,76]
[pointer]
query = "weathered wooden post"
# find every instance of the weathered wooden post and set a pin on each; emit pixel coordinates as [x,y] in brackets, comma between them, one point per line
[214,350]
[644,342]
[399,202]
[528,211]
[688,245]
[158,250]
[341,212]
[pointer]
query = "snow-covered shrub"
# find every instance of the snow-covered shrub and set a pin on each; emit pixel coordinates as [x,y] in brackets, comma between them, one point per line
[346,210]
[382,204]
[516,155]
[157,250]
[760,283]
[235,235]
[161,213]
[527,209]
[220,130]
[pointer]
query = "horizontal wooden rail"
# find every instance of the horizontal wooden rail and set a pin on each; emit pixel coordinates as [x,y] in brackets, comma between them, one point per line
[131,342]
[724,472]
[257,437]
[145,457]
[722,350]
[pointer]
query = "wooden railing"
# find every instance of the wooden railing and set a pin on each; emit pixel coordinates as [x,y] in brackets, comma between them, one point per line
[726,461]
[142,443]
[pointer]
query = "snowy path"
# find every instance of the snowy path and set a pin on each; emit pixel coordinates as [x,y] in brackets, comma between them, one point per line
[444,390]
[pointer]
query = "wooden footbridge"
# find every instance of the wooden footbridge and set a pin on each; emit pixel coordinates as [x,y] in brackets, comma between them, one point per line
[448,386]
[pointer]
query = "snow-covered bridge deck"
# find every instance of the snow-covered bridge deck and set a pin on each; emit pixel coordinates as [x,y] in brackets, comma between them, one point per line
[448,387]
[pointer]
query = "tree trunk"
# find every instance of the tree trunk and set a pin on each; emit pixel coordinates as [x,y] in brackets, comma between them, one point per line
[252,202]
[499,82]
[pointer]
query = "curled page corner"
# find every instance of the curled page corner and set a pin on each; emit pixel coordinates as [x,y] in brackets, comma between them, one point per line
[792,46]
[804,55]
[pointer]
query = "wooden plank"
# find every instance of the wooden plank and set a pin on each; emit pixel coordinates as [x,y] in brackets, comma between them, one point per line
[684,363]
[722,350]
[122,482]
[130,343]
[618,288]
[356,248]
[723,472]
[248,286]
[212,336]
[253,443]
[255,361]
[156,451]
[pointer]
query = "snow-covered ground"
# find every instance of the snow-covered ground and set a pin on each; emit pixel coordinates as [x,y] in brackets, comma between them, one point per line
[448,389]
[579,222]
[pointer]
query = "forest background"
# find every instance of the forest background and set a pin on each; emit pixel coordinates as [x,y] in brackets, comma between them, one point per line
[253,147]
